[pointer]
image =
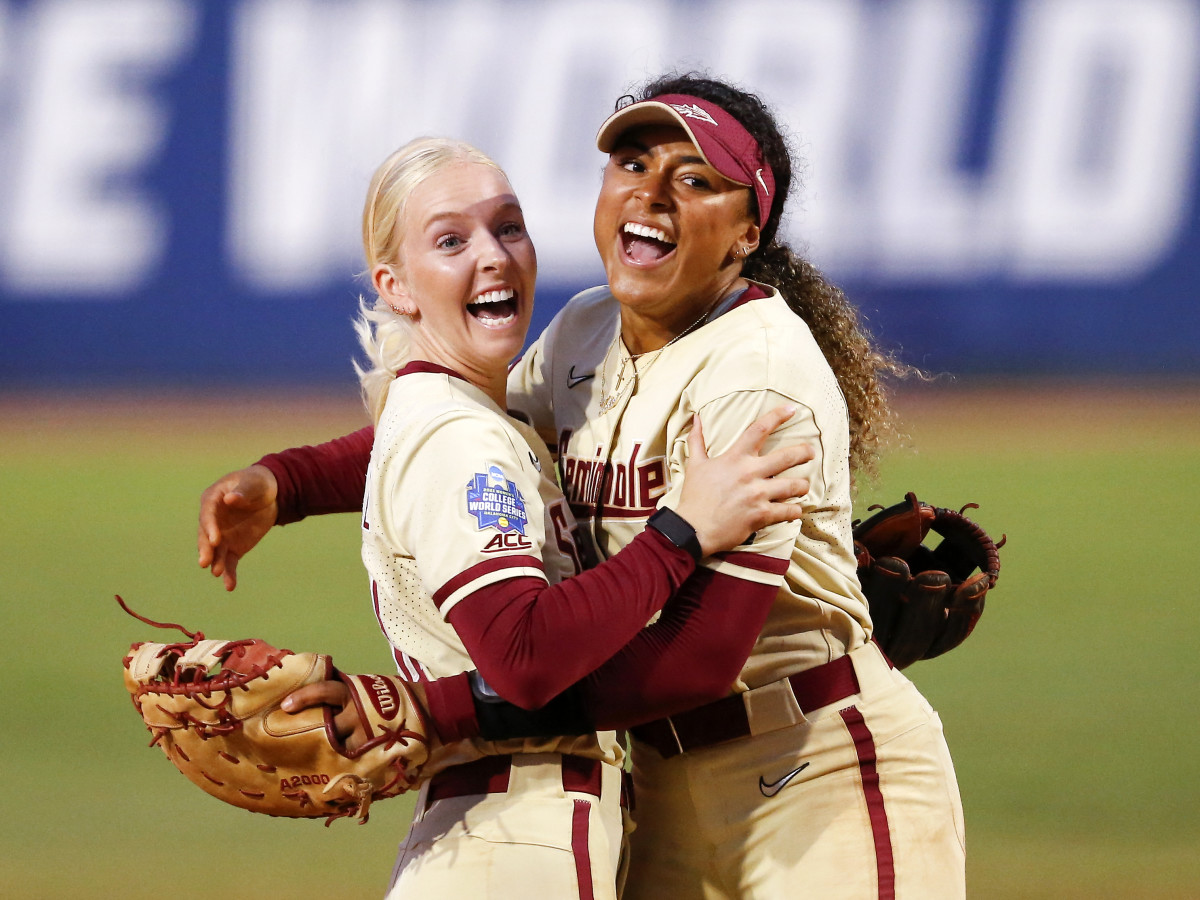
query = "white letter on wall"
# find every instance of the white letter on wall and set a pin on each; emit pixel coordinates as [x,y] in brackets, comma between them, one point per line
[309,83]
[320,93]
[928,203]
[804,60]
[84,125]
[1097,136]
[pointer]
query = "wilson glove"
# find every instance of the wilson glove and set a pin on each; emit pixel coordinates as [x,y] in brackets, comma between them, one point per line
[213,707]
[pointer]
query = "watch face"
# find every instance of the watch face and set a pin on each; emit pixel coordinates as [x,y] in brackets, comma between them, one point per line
[676,529]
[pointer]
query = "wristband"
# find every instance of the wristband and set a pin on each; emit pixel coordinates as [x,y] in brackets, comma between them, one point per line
[498,720]
[676,529]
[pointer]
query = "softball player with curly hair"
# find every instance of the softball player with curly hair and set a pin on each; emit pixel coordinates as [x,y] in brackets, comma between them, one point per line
[833,773]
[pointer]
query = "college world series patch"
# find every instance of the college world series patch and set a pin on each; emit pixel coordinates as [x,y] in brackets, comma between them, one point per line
[495,502]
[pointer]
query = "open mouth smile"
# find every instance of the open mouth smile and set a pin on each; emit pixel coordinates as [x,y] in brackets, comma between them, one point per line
[645,245]
[494,309]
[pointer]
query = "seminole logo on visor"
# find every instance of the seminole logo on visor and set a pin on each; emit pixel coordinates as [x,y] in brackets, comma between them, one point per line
[692,111]
[495,502]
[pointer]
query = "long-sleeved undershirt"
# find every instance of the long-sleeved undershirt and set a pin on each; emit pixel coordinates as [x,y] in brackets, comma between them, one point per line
[587,629]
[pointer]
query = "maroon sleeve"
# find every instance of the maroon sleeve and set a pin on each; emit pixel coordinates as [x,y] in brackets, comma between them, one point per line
[325,478]
[451,708]
[689,657]
[530,641]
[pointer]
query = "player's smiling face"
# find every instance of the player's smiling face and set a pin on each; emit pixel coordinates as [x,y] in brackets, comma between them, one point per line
[667,225]
[466,268]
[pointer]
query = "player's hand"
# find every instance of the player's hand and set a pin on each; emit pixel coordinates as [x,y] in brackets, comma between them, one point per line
[236,511]
[346,722]
[727,498]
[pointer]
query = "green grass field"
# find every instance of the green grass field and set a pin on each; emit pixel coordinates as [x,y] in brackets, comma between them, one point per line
[1072,713]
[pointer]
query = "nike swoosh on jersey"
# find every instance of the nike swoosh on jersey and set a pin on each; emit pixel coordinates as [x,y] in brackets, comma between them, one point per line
[772,788]
[574,380]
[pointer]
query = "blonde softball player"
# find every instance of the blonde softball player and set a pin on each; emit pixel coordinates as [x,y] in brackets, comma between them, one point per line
[468,569]
[823,773]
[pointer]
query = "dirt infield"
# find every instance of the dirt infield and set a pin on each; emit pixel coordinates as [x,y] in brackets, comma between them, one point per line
[1053,415]
[1083,415]
[158,420]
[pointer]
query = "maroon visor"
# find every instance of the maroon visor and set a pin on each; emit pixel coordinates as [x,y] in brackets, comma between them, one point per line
[721,139]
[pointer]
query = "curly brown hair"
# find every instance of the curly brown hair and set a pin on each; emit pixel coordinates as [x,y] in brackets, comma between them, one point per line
[862,367]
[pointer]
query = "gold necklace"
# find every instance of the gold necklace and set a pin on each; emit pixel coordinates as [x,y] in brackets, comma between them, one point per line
[607,400]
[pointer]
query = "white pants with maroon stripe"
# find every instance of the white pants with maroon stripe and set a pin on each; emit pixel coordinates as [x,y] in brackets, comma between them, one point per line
[533,840]
[871,808]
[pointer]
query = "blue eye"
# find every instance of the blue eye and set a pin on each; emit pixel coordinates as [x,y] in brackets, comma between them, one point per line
[448,242]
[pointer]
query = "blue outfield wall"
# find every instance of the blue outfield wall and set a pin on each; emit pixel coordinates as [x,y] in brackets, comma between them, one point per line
[1004,186]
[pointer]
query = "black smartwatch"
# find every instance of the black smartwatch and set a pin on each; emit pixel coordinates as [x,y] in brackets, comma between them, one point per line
[676,529]
[499,720]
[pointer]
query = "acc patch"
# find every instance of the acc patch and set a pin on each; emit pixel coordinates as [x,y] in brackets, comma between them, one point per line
[495,502]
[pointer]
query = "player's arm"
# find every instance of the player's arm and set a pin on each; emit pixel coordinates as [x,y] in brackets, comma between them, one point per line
[330,477]
[238,509]
[515,629]
[689,657]
[696,649]
[324,478]
[531,640]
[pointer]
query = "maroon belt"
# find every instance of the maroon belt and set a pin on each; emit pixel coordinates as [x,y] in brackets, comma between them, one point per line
[490,775]
[726,720]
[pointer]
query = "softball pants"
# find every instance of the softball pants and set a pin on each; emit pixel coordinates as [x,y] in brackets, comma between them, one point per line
[856,799]
[520,826]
